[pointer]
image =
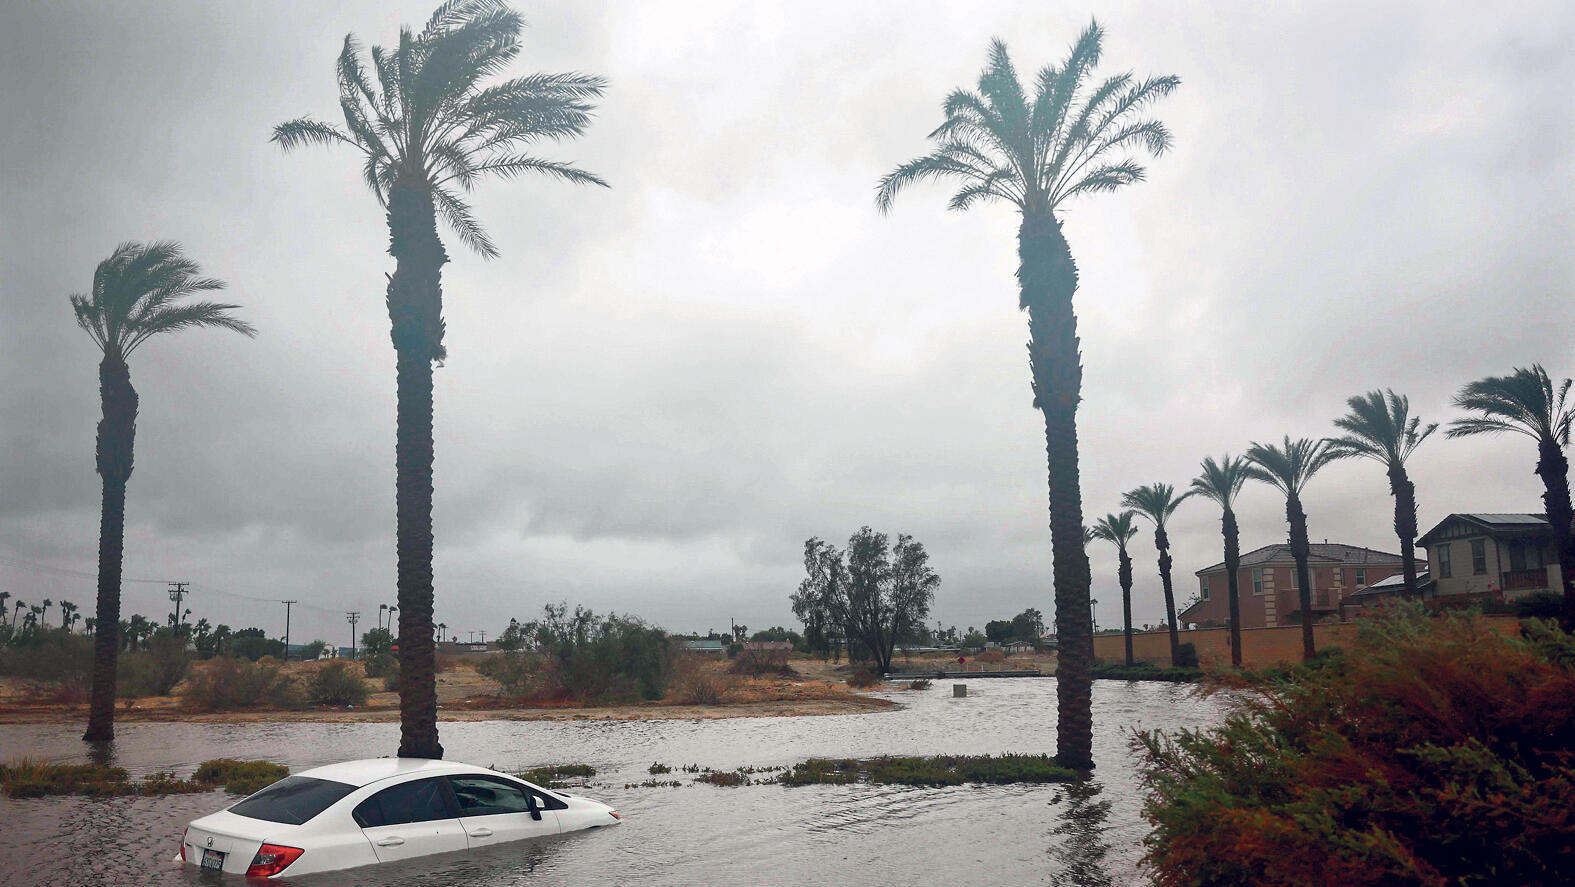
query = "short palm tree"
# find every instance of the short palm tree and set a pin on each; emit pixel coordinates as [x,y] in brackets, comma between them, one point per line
[1378,425]
[1288,468]
[1526,402]
[1118,530]
[1220,482]
[139,292]
[428,130]
[1037,149]
[1157,502]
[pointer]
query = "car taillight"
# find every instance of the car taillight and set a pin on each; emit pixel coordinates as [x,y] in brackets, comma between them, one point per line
[183,843]
[271,859]
[615,814]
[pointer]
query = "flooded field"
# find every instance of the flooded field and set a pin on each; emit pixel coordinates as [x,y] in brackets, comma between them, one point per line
[694,834]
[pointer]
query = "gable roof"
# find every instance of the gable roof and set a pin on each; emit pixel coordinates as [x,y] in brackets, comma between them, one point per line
[1489,523]
[1319,554]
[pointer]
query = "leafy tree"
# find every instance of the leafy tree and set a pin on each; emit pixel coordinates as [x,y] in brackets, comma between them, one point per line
[1037,150]
[1220,482]
[1379,426]
[313,649]
[428,130]
[1288,468]
[1157,502]
[998,630]
[1118,530]
[778,633]
[254,644]
[377,642]
[139,292]
[1525,402]
[1028,626]
[882,592]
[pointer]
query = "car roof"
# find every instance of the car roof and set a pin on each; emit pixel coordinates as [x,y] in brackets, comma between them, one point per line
[365,772]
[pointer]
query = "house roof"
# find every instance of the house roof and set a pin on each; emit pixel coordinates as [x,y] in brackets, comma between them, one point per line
[1491,523]
[1319,553]
[704,644]
[1391,584]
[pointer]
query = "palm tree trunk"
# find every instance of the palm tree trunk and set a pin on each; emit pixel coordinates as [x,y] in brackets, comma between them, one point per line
[1553,468]
[415,309]
[1124,574]
[117,432]
[1405,524]
[1232,535]
[1047,278]
[1162,542]
[1299,551]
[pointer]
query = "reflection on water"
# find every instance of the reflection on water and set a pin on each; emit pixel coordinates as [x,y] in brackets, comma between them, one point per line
[1086,834]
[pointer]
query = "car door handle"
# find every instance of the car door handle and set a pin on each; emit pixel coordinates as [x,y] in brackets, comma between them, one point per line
[390,841]
[482,832]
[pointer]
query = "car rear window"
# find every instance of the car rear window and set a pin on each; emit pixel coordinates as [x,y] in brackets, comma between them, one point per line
[292,800]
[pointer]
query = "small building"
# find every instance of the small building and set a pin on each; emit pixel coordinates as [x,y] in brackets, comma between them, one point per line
[1267,584]
[1491,556]
[708,646]
[1391,589]
[1012,647]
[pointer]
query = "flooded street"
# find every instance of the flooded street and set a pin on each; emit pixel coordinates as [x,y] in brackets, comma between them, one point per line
[695,834]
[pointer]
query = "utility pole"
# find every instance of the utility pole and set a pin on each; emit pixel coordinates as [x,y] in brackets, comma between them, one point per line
[352,617]
[287,605]
[177,592]
[483,636]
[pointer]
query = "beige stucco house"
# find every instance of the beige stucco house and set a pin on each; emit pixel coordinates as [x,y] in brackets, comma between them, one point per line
[1504,556]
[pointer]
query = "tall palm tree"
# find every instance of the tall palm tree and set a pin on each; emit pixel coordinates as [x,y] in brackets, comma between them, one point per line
[1119,529]
[139,292]
[1038,150]
[68,614]
[428,129]
[1220,482]
[1157,502]
[1525,402]
[1288,468]
[1378,425]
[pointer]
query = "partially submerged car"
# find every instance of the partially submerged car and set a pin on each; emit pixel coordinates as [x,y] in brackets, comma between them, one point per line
[364,812]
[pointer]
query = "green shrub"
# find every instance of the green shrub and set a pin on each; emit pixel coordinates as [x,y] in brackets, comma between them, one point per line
[58,664]
[660,768]
[558,775]
[724,778]
[1143,671]
[1186,656]
[588,658]
[28,779]
[336,683]
[152,672]
[240,777]
[937,770]
[380,664]
[227,684]
[1542,605]
[1434,751]
[863,678]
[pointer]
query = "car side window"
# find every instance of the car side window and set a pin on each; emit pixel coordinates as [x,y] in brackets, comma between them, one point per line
[487,795]
[420,800]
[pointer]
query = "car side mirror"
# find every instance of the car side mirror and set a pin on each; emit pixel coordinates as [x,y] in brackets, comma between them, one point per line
[533,806]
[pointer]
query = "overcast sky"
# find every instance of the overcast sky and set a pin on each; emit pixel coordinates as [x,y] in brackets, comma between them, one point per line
[662,389]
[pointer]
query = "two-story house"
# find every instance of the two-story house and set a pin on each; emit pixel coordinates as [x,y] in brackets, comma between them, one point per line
[1268,588]
[1504,556]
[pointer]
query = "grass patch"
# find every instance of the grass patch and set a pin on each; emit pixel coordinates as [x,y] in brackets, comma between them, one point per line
[938,770]
[655,783]
[30,779]
[1144,671]
[660,768]
[559,775]
[724,778]
[240,777]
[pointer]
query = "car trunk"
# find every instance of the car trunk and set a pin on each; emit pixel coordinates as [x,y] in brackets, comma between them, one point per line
[237,837]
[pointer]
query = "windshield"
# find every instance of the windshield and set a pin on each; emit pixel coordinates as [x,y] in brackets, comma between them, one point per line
[292,800]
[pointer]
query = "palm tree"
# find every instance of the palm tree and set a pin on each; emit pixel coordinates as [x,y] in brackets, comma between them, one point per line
[1378,425]
[1525,402]
[138,292]
[68,614]
[1220,482]
[1118,529]
[428,129]
[1037,152]
[1288,468]
[1157,502]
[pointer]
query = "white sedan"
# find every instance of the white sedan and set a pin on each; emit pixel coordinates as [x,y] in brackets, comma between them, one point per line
[364,812]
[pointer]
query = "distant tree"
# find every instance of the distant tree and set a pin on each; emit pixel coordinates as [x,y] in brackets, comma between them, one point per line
[68,615]
[1118,529]
[1157,502]
[1028,626]
[1288,468]
[1379,426]
[428,130]
[254,644]
[998,631]
[1525,402]
[882,593]
[778,633]
[973,639]
[1220,482]
[313,649]
[377,642]
[138,292]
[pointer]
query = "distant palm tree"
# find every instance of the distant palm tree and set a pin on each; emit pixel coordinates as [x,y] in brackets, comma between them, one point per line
[1118,529]
[1220,482]
[1037,152]
[1379,426]
[1288,468]
[1157,502]
[1526,403]
[68,614]
[138,293]
[429,130]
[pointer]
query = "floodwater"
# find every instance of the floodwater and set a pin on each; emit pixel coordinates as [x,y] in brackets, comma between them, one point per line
[1088,835]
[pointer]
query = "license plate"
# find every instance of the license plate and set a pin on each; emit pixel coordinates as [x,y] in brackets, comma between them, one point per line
[213,859]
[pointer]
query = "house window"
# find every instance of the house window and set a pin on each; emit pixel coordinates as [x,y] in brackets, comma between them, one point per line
[1257,580]
[1361,576]
[1478,556]
[1525,557]
[1339,575]
[1443,561]
[1203,587]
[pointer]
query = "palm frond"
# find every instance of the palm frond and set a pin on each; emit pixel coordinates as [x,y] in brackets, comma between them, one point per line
[304,131]
[1117,529]
[1156,501]
[1525,401]
[1378,425]
[458,215]
[1220,481]
[1288,467]
[137,294]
